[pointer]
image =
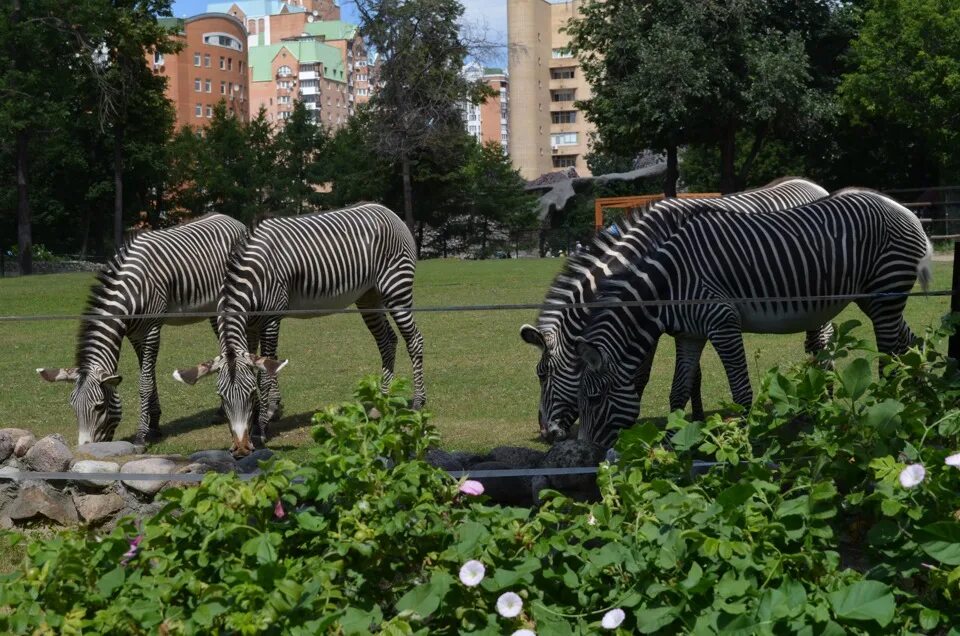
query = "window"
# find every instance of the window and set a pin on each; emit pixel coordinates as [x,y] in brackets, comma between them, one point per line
[223,88]
[241,65]
[564,117]
[563,139]
[229,63]
[209,112]
[206,60]
[565,95]
[198,110]
[284,71]
[196,85]
[566,72]
[196,59]
[562,54]
[208,86]
[157,59]
[223,63]
[564,161]
[222,39]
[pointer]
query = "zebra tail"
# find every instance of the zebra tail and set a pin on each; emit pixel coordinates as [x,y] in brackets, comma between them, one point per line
[925,268]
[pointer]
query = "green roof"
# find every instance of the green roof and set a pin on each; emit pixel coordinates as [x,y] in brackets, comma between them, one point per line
[492,70]
[306,51]
[332,30]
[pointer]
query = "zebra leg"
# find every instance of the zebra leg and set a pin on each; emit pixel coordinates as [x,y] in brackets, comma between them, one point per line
[643,373]
[382,332]
[148,423]
[414,340]
[268,338]
[727,339]
[817,341]
[686,375]
[892,332]
[220,417]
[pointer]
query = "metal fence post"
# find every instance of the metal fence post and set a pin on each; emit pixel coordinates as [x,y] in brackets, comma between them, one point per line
[953,347]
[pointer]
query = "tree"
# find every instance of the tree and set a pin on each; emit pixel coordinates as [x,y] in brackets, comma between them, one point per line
[352,166]
[669,72]
[907,58]
[299,145]
[417,106]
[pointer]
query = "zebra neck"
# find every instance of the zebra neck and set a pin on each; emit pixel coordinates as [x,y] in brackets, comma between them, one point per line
[98,345]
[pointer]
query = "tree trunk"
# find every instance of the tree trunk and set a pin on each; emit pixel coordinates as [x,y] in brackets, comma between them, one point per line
[728,152]
[24,233]
[670,179]
[118,187]
[407,195]
[419,236]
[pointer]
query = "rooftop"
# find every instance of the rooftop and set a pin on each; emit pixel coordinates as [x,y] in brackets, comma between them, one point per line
[255,7]
[332,30]
[305,51]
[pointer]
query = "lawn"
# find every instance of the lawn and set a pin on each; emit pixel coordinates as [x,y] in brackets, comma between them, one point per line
[480,376]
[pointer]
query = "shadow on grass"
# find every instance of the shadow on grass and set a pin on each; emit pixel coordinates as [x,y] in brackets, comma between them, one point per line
[184,425]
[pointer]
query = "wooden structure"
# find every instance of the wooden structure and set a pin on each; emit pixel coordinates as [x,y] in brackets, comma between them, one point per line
[635,202]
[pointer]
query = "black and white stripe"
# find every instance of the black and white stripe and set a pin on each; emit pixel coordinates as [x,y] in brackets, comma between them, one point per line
[854,242]
[169,271]
[558,330]
[363,254]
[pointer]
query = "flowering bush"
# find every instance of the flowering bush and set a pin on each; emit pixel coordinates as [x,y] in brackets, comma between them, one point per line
[828,508]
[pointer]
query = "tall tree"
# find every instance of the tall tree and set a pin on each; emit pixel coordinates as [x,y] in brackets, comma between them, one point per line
[670,72]
[299,145]
[421,56]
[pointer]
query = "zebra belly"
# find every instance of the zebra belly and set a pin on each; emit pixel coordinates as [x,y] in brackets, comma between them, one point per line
[786,318]
[175,320]
[324,301]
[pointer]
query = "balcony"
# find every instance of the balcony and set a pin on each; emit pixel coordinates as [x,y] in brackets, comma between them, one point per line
[309,90]
[308,75]
[311,105]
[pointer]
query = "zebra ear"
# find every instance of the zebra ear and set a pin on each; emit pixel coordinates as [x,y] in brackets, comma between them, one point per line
[191,375]
[591,356]
[271,365]
[59,375]
[532,335]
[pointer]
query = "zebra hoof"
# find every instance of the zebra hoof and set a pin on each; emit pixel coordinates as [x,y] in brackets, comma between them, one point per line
[150,437]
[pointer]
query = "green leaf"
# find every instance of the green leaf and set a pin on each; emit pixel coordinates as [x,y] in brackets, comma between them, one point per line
[864,601]
[891,507]
[206,613]
[736,496]
[652,620]
[359,621]
[883,532]
[693,576]
[929,618]
[687,437]
[856,378]
[424,600]
[941,540]
[883,415]
[111,581]
[263,547]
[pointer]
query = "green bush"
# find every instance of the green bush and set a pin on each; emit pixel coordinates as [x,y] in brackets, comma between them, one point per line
[801,526]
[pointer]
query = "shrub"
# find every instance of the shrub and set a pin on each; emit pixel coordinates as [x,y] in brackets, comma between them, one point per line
[791,519]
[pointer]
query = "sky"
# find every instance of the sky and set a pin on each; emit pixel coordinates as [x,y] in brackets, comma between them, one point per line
[490,15]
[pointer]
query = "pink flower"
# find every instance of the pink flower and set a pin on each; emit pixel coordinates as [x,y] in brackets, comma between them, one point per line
[471,487]
[278,510]
[132,552]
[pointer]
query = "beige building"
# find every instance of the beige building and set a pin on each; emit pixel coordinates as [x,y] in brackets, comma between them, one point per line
[547,132]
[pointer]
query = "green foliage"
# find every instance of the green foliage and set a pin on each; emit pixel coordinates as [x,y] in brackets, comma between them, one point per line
[802,527]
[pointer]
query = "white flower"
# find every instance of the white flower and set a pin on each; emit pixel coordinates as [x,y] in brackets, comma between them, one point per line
[591,520]
[613,618]
[472,573]
[953,460]
[509,605]
[912,475]
[524,632]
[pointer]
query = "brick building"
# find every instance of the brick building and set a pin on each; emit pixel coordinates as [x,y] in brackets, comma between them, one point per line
[211,66]
[489,121]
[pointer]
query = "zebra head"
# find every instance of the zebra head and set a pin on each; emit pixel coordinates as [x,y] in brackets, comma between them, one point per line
[558,374]
[239,390]
[94,400]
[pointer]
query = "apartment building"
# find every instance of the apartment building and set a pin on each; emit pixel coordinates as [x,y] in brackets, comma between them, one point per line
[303,69]
[211,66]
[547,132]
[489,121]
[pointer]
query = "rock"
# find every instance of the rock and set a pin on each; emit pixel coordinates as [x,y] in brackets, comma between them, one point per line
[23,445]
[150,465]
[443,459]
[8,440]
[49,455]
[252,461]
[196,468]
[215,456]
[101,450]
[509,491]
[571,453]
[38,498]
[92,466]
[96,508]
[516,456]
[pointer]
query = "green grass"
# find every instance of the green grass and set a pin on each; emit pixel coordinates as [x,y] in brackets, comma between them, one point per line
[480,376]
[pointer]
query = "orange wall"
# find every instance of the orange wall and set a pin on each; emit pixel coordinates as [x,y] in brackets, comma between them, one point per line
[490,114]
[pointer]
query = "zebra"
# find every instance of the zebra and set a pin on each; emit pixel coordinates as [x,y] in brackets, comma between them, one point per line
[853,242]
[161,273]
[559,328]
[363,254]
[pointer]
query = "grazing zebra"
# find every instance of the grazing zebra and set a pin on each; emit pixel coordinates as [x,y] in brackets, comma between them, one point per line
[854,242]
[363,254]
[558,329]
[171,271]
